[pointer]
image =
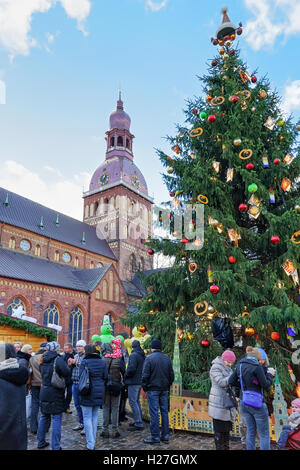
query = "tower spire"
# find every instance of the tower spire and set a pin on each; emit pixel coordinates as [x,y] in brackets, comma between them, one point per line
[176,388]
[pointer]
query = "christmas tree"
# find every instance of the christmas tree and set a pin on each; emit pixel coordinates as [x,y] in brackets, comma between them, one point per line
[236,157]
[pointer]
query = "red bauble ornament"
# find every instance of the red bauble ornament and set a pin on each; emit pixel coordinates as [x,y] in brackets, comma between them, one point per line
[214,63]
[215,42]
[184,240]
[235,99]
[195,111]
[275,240]
[239,31]
[205,343]
[232,259]
[231,52]
[211,118]
[150,252]
[276,161]
[172,194]
[253,79]
[226,38]
[243,207]
[275,336]
[214,289]
[249,166]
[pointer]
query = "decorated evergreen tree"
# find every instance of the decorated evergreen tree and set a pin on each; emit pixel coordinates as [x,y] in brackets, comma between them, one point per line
[237,157]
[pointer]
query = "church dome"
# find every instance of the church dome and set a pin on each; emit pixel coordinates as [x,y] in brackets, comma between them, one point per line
[119,119]
[116,170]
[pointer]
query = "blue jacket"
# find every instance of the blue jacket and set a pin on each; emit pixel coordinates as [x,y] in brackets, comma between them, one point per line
[157,372]
[133,374]
[98,377]
[254,376]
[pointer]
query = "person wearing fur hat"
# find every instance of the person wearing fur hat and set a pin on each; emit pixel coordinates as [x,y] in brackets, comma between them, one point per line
[13,377]
[256,379]
[222,417]
[52,399]
[293,423]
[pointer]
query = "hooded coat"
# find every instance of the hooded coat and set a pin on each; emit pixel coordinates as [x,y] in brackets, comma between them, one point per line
[98,378]
[52,399]
[219,376]
[254,376]
[133,374]
[13,429]
[23,358]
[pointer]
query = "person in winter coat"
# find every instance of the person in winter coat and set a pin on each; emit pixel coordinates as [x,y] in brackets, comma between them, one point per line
[52,399]
[75,366]
[254,378]
[24,355]
[157,378]
[293,423]
[222,417]
[13,377]
[68,354]
[90,403]
[133,380]
[116,368]
[36,382]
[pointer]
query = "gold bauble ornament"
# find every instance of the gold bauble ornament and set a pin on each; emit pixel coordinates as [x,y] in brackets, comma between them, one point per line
[211,309]
[237,142]
[297,208]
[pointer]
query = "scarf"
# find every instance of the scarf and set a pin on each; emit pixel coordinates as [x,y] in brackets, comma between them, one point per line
[116,346]
[11,363]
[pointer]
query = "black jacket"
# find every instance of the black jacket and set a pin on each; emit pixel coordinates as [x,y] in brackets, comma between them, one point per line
[98,378]
[52,399]
[133,374]
[65,357]
[13,429]
[252,372]
[157,372]
[23,358]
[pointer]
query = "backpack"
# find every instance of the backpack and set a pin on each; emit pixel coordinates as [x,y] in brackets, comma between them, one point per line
[293,441]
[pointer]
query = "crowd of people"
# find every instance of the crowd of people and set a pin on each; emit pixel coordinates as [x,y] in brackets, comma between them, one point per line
[99,377]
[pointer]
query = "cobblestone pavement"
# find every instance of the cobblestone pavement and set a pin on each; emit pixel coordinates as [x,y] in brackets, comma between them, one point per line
[179,440]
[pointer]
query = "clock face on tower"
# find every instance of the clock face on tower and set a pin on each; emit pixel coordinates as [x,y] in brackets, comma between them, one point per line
[135,181]
[103,179]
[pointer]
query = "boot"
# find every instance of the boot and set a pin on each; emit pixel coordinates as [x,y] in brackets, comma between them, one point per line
[218,441]
[225,440]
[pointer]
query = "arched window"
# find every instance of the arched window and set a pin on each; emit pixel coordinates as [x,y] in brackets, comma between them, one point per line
[112,141]
[96,207]
[56,256]
[97,294]
[13,304]
[37,250]
[110,286]
[86,211]
[12,243]
[127,144]
[132,263]
[120,141]
[142,264]
[104,290]
[92,209]
[117,293]
[75,327]
[76,262]
[51,315]
[92,265]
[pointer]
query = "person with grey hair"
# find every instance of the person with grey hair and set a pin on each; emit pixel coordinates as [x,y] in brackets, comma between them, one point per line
[13,377]
[52,399]
[75,365]
[24,355]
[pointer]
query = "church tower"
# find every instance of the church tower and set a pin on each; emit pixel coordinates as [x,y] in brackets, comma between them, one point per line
[176,388]
[117,202]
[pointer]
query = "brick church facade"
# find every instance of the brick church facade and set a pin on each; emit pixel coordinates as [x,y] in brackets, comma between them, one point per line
[71,273]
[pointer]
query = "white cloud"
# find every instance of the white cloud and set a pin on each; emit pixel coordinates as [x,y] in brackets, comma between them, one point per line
[271,20]
[16,18]
[61,194]
[156,6]
[291,97]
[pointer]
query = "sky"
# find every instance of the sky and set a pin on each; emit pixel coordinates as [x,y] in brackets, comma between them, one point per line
[62,63]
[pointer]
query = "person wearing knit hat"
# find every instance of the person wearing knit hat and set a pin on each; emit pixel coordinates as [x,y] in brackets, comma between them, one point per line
[250,375]
[52,346]
[293,423]
[157,378]
[221,415]
[81,342]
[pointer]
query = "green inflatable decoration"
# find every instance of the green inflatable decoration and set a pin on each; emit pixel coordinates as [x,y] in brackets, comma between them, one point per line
[106,336]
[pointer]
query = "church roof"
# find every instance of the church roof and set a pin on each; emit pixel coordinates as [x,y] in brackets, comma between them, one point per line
[32,269]
[24,213]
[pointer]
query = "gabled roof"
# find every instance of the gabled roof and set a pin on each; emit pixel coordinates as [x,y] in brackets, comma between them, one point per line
[22,212]
[29,268]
